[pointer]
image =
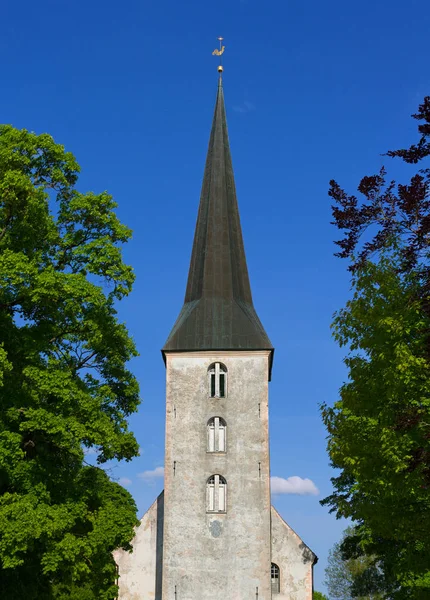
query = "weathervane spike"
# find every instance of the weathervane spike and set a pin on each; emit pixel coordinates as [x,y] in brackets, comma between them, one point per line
[219,53]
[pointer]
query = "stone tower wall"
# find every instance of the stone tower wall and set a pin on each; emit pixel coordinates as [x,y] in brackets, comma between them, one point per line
[209,556]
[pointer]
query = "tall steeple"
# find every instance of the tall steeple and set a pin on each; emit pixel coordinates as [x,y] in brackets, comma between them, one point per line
[218,312]
[213,533]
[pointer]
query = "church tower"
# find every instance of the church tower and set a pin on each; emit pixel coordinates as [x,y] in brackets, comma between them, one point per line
[213,534]
[218,361]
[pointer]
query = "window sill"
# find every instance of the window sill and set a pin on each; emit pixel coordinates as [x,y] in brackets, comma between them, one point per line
[218,452]
[216,512]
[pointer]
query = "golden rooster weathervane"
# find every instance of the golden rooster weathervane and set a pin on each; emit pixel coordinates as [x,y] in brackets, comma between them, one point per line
[219,52]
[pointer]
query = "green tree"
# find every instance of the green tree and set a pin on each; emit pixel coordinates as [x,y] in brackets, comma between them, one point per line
[65,386]
[379,429]
[319,596]
[344,575]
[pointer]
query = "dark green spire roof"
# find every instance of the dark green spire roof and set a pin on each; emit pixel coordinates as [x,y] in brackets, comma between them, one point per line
[218,313]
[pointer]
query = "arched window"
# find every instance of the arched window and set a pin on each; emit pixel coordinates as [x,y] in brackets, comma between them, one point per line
[217,430]
[217,380]
[276,580]
[216,494]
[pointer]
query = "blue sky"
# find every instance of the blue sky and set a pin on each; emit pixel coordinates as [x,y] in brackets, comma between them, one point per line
[314,91]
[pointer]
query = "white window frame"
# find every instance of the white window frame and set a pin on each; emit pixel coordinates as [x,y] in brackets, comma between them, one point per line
[275,578]
[217,370]
[216,494]
[216,435]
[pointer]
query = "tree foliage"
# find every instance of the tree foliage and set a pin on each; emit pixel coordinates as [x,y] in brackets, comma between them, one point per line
[379,429]
[64,382]
[319,596]
[393,211]
[344,575]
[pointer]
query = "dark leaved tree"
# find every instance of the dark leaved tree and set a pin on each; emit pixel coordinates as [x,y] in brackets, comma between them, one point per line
[379,429]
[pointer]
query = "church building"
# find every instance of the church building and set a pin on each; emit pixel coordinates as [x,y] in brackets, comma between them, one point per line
[213,533]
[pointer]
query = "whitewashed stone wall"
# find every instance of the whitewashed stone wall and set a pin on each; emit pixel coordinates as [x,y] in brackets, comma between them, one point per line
[294,559]
[217,556]
[182,552]
[140,570]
